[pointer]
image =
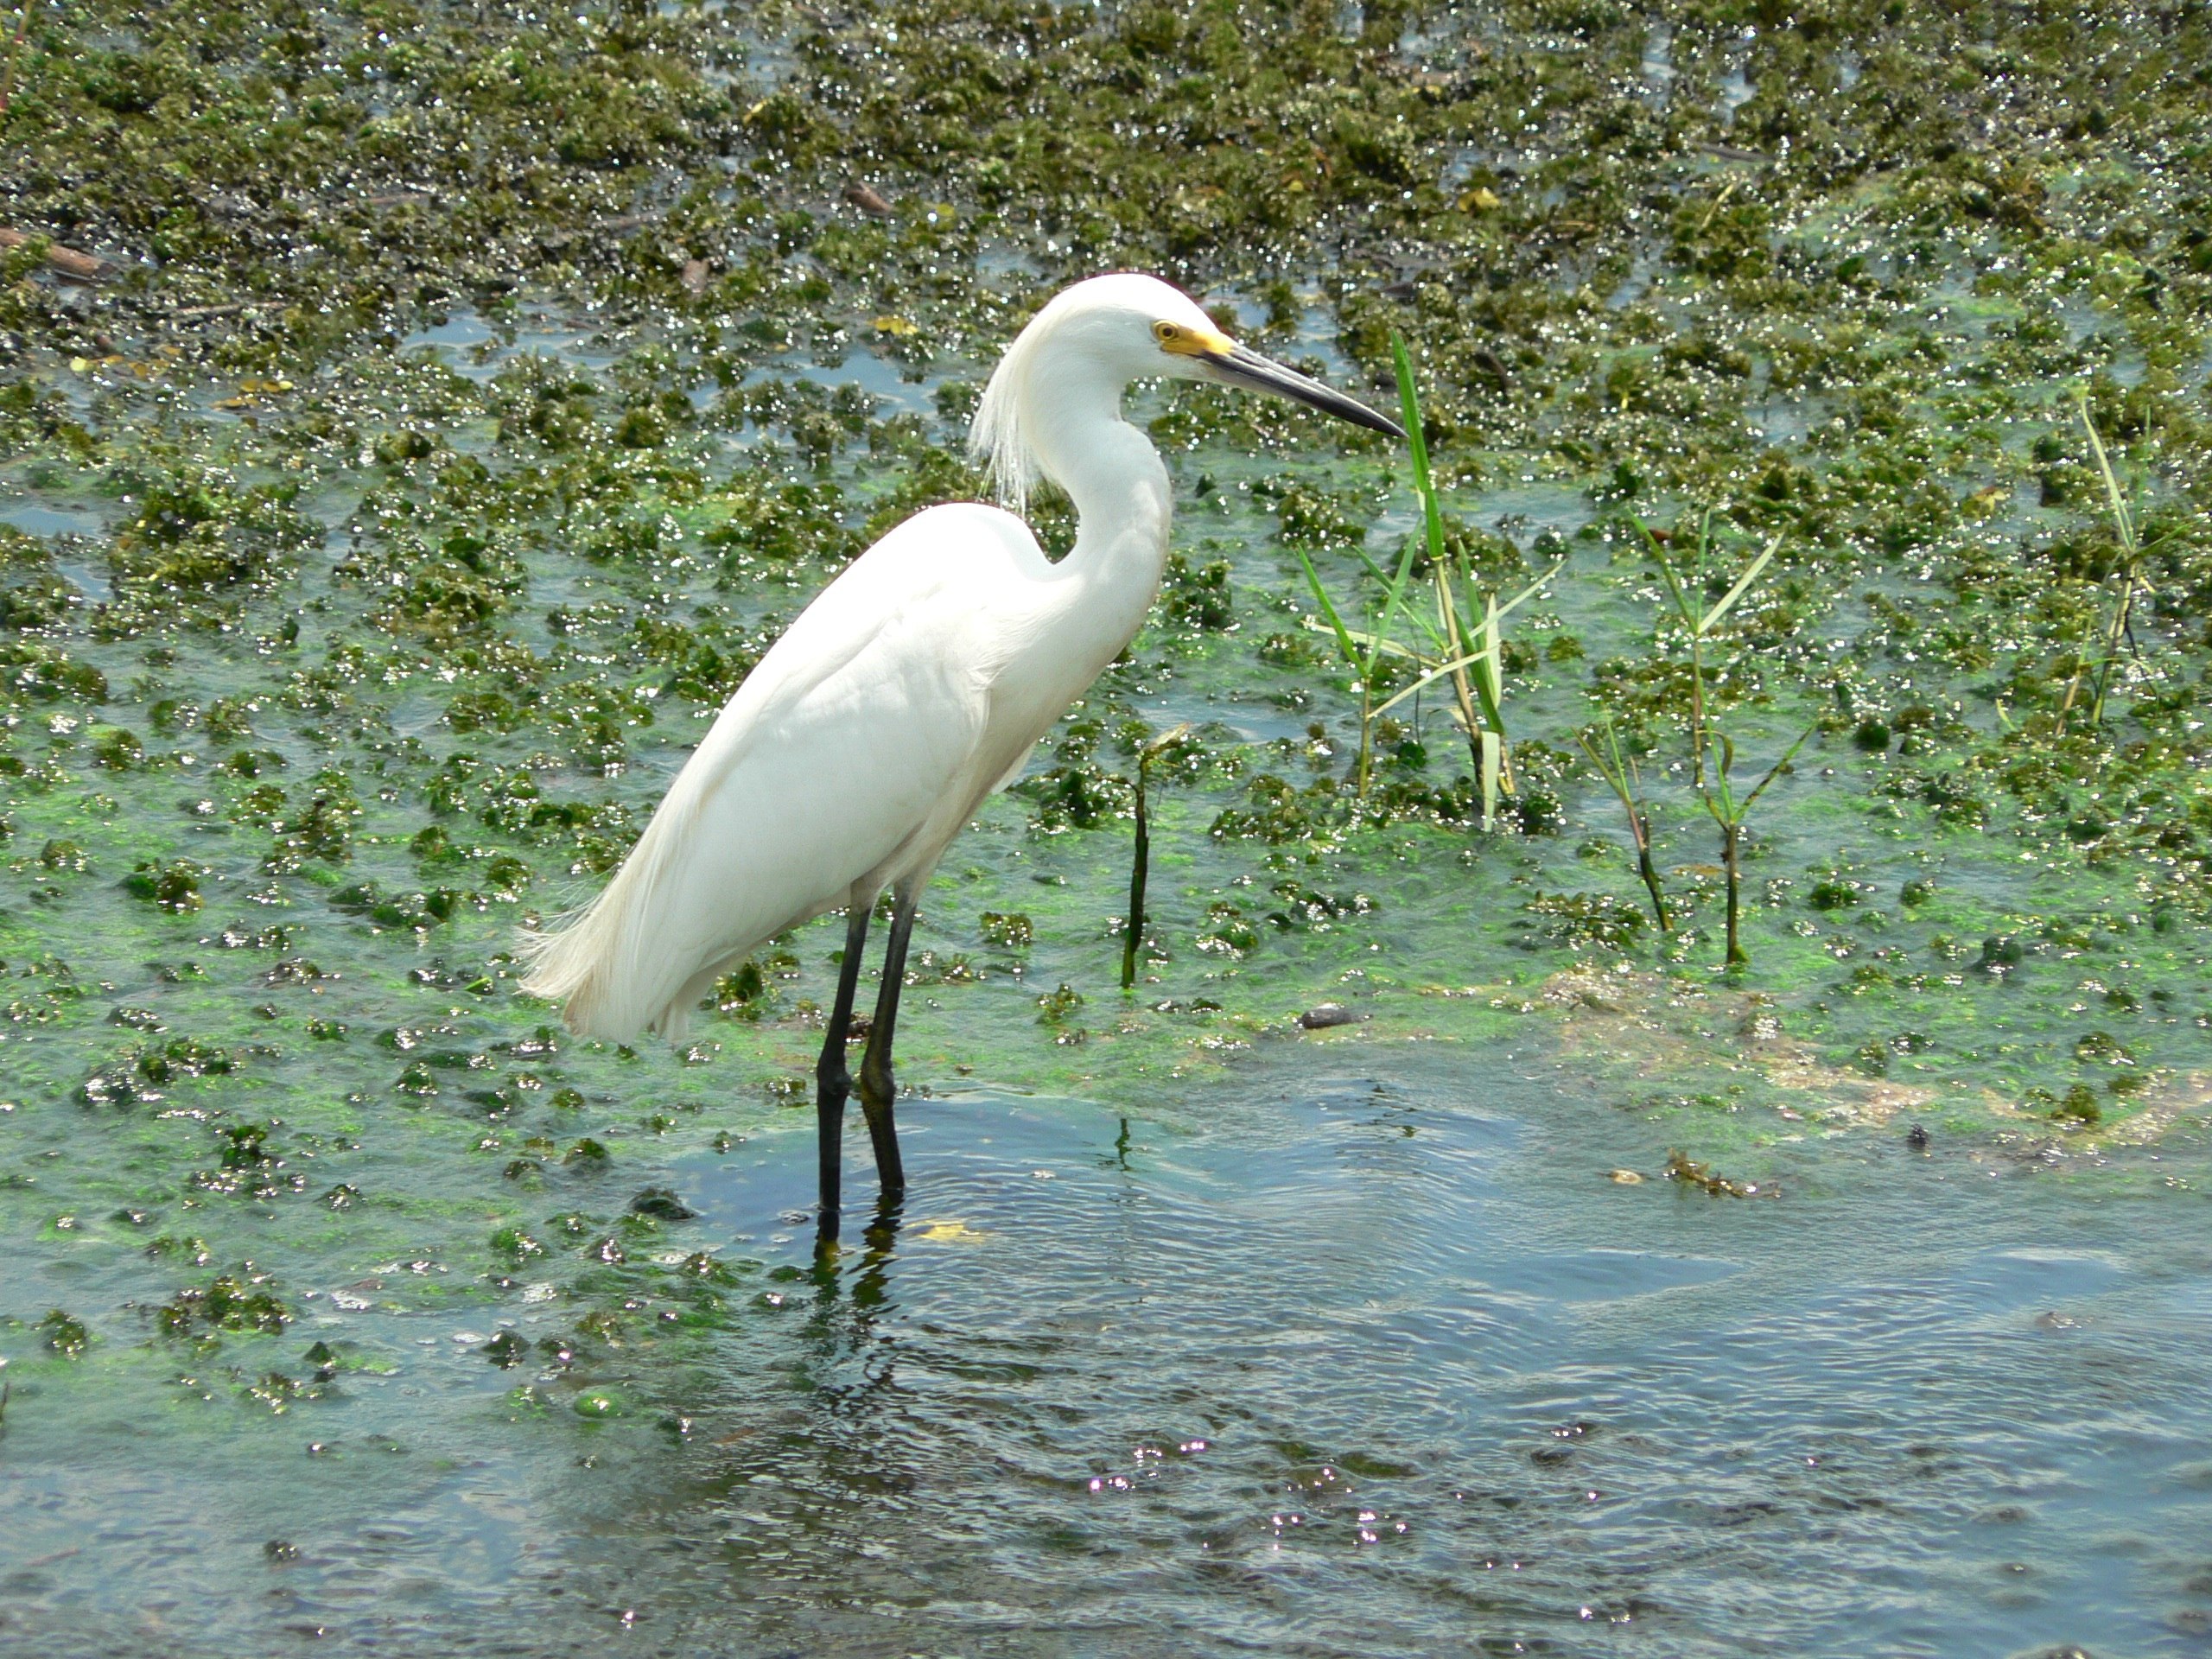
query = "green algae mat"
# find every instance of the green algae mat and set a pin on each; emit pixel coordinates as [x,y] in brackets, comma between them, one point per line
[415,420]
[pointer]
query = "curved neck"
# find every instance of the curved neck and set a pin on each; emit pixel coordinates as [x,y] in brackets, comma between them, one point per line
[1123,500]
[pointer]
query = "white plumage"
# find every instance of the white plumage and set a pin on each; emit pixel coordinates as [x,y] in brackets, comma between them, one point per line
[912,687]
[848,759]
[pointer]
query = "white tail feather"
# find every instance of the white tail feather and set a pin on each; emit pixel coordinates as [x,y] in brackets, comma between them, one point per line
[607,964]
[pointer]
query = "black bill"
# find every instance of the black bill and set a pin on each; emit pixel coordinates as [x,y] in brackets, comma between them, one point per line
[1239,366]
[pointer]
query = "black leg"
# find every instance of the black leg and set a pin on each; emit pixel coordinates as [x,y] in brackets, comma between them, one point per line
[877,1088]
[832,1082]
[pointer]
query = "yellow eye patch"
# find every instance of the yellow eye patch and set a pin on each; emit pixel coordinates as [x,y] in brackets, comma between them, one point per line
[1186,341]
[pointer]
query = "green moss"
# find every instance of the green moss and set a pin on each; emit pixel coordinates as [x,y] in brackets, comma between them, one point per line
[65,1335]
[239,1302]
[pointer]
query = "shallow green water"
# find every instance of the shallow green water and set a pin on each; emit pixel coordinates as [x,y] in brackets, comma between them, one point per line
[1361,1352]
[1828,1423]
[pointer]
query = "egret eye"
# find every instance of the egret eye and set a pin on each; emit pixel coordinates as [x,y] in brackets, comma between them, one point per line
[1166,333]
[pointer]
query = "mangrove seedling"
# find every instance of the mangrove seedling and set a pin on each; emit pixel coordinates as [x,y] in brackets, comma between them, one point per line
[1700,623]
[1731,814]
[1620,773]
[1141,859]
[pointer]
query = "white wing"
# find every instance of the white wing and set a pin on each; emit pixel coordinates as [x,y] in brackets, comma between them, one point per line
[858,740]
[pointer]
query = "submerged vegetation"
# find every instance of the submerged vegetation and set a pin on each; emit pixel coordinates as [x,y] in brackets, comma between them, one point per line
[418,419]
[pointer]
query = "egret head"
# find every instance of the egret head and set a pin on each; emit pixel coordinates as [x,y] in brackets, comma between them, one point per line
[1093,339]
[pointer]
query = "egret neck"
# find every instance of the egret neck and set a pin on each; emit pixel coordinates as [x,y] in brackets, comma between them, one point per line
[1122,503]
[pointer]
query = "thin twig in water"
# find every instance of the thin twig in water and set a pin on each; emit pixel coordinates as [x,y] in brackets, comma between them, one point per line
[1140,860]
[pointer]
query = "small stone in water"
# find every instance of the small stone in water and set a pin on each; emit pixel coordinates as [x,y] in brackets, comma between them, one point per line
[662,1204]
[1917,1138]
[1626,1178]
[1326,1014]
[867,199]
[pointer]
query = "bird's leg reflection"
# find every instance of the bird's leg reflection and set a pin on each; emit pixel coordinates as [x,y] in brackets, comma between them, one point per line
[882,1236]
[877,1088]
[869,1279]
[832,1082]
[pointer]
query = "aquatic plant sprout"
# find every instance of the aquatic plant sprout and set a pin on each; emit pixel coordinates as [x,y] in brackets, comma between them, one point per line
[1476,670]
[1702,623]
[1363,650]
[1621,775]
[1713,786]
[2114,634]
[1731,814]
[1473,659]
[1478,675]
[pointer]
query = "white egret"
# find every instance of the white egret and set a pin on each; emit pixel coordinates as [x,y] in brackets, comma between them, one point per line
[910,689]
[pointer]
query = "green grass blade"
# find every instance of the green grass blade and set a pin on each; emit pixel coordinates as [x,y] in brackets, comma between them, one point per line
[1329,610]
[1489,668]
[1531,591]
[1391,601]
[1409,410]
[1674,584]
[1751,575]
[1431,676]
[2123,521]
[1381,576]
[1417,447]
[1422,486]
[1776,770]
[1367,641]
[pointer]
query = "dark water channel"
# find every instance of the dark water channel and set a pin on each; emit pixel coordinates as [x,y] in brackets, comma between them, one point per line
[1380,1363]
